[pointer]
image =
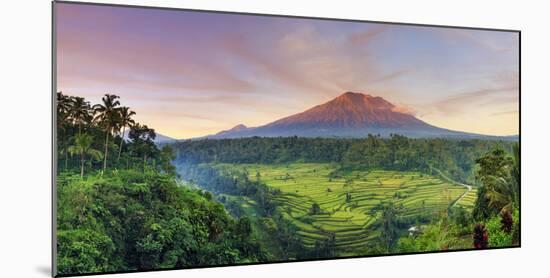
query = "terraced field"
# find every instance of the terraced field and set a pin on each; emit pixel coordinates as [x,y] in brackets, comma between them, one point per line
[468,200]
[348,203]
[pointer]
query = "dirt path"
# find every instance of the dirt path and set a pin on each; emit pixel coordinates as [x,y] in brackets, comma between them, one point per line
[467,186]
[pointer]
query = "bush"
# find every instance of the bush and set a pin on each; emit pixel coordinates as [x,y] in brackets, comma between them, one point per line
[497,236]
[480,236]
[84,250]
[460,216]
[506,221]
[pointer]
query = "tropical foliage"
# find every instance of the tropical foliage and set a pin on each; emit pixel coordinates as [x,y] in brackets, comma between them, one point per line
[89,134]
[119,205]
[125,202]
[456,158]
[130,220]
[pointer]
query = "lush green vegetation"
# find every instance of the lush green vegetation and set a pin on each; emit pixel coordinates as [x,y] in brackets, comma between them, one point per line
[125,203]
[129,220]
[120,207]
[347,207]
[456,158]
[494,221]
[366,200]
[343,210]
[90,137]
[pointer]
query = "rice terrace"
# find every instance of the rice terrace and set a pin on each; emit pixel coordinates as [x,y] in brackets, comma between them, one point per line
[346,206]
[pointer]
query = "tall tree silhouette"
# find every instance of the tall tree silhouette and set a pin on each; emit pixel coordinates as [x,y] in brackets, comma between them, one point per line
[388,223]
[83,146]
[63,107]
[125,121]
[80,113]
[108,117]
[143,142]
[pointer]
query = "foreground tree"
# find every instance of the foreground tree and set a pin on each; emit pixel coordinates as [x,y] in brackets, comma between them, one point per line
[108,117]
[63,107]
[83,146]
[80,113]
[166,157]
[499,190]
[125,121]
[503,191]
[143,144]
[389,227]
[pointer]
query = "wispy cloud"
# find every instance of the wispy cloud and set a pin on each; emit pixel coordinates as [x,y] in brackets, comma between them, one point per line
[485,39]
[389,77]
[406,109]
[366,36]
[505,113]
[213,69]
[502,88]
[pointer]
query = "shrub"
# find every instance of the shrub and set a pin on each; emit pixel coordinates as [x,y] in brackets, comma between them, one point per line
[506,221]
[497,236]
[480,236]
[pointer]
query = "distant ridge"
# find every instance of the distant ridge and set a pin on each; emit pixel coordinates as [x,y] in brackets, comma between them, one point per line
[237,128]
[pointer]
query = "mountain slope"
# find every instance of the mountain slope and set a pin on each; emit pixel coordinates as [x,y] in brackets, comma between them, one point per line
[348,115]
[237,128]
[351,110]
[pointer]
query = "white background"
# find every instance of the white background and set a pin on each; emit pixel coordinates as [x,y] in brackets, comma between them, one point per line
[25,152]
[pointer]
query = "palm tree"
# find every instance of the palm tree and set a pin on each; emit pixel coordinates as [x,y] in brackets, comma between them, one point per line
[503,192]
[80,112]
[83,146]
[108,117]
[388,223]
[125,120]
[516,165]
[63,106]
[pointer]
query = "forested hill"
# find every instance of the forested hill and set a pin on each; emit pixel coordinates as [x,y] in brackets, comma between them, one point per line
[455,157]
[139,221]
[119,207]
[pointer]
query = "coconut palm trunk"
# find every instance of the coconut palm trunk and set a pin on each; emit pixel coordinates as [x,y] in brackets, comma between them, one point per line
[121,142]
[106,150]
[144,161]
[82,164]
[66,159]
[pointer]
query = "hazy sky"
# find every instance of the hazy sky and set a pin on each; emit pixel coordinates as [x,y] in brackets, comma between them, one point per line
[189,74]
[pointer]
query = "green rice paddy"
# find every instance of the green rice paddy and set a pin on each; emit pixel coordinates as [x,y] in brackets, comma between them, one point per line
[348,203]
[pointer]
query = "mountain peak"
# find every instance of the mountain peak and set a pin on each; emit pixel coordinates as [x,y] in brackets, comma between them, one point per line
[351,110]
[350,94]
[350,114]
[237,128]
[360,100]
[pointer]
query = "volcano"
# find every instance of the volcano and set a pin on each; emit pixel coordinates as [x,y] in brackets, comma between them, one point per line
[348,115]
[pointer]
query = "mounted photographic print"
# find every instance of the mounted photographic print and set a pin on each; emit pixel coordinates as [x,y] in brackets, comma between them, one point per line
[188,138]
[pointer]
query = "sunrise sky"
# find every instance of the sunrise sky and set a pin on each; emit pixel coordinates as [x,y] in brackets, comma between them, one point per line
[190,74]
